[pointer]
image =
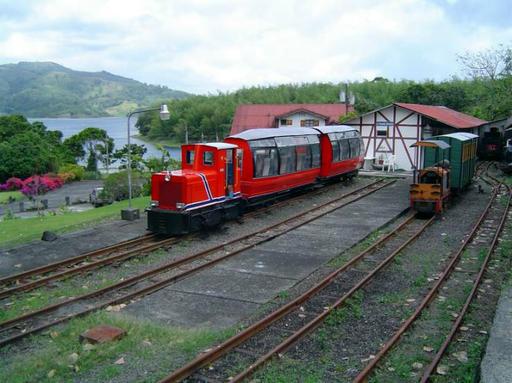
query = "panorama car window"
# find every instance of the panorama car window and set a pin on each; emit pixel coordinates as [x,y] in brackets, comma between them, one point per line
[345,149]
[335,147]
[355,147]
[314,143]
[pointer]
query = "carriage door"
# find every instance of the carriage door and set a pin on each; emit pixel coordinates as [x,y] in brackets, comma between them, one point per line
[230,173]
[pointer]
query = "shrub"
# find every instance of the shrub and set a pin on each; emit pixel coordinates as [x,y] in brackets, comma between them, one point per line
[77,171]
[37,185]
[116,185]
[92,175]
[66,177]
[13,183]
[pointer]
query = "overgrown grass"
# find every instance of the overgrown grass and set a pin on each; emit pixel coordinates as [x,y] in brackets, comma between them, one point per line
[160,349]
[288,370]
[17,231]
[73,287]
[14,195]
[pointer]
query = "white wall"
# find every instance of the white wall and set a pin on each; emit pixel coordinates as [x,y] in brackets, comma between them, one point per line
[297,117]
[403,130]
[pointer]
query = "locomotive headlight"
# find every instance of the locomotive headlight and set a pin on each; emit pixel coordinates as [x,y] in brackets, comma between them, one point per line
[154,203]
[180,205]
[167,176]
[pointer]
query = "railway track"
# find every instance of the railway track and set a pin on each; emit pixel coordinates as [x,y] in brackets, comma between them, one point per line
[162,276]
[484,236]
[34,278]
[275,333]
[123,251]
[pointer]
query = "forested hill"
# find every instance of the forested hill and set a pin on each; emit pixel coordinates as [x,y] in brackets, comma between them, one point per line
[211,116]
[46,89]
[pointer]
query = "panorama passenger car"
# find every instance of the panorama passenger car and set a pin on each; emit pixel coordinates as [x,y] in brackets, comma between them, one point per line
[219,180]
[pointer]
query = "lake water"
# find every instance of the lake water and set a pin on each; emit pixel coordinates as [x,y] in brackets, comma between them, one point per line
[114,126]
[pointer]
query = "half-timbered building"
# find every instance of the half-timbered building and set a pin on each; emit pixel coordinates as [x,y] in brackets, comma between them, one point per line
[391,130]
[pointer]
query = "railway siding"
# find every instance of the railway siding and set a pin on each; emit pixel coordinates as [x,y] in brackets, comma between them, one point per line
[225,294]
[36,254]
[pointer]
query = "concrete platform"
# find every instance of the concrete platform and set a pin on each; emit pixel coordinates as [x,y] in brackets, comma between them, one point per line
[39,253]
[497,363]
[225,294]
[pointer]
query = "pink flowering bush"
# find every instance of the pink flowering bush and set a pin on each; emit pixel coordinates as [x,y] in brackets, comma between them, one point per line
[37,185]
[12,184]
[34,185]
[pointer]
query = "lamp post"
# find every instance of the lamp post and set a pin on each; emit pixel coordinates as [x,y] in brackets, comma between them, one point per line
[130,213]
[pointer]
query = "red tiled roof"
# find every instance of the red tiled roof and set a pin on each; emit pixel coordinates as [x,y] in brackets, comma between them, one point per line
[254,116]
[443,114]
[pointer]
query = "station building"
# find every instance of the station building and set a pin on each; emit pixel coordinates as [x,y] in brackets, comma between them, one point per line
[287,115]
[390,131]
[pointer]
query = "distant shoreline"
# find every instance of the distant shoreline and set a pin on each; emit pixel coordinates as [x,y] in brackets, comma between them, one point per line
[161,141]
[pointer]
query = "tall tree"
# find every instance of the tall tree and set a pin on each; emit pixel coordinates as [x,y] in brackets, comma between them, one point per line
[92,142]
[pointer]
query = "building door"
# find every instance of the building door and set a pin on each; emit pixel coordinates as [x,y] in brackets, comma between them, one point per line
[230,172]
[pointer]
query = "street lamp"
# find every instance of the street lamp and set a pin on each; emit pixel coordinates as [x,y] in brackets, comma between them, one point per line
[131,213]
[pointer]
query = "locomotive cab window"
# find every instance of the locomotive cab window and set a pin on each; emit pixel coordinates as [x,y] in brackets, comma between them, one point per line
[190,157]
[208,158]
[430,177]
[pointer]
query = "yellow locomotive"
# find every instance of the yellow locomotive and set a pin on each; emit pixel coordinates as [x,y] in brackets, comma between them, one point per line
[430,189]
[448,166]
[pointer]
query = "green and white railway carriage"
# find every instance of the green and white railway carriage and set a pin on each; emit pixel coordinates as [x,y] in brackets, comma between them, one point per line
[462,157]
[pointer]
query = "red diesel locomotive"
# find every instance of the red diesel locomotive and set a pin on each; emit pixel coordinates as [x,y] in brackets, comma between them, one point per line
[219,180]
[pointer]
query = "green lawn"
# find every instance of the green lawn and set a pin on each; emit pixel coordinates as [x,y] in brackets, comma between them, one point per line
[15,231]
[4,196]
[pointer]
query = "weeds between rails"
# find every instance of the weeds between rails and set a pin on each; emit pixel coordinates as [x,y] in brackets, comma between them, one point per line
[22,326]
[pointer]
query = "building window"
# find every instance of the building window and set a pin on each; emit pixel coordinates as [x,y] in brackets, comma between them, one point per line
[309,122]
[382,131]
[286,122]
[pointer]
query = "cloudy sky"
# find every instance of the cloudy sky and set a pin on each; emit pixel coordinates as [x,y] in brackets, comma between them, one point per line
[203,46]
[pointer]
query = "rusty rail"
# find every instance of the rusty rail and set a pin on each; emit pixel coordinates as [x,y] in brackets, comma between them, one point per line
[166,267]
[85,267]
[73,260]
[236,340]
[363,375]
[432,366]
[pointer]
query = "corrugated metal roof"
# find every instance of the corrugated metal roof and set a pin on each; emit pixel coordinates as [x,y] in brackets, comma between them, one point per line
[440,144]
[256,116]
[461,136]
[256,134]
[445,115]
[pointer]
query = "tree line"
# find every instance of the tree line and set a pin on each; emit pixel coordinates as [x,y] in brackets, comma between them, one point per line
[486,93]
[28,149]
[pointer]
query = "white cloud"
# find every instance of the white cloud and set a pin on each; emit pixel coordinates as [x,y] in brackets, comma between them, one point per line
[204,46]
